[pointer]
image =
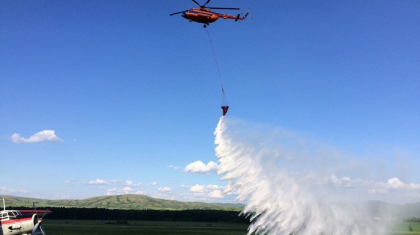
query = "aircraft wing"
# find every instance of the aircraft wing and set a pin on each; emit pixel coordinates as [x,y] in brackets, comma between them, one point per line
[34,211]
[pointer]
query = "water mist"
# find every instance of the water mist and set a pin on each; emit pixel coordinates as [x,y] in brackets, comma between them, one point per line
[273,173]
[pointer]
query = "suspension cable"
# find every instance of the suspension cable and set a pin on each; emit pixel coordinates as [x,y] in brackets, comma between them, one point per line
[224,101]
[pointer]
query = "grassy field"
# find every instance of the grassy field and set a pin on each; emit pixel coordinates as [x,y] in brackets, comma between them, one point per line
[403,228]
[100,227]
[95,227]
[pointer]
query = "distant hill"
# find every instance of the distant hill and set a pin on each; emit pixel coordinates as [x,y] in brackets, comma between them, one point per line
[141,202]
[124,202]
[383,209]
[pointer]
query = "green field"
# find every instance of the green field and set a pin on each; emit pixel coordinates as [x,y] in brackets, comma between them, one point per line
[100,227]
[97,227]
[403,228]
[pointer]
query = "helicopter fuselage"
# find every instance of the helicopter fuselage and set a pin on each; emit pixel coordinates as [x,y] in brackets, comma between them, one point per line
[201,15]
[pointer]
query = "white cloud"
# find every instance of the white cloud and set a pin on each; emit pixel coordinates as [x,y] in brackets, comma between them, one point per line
[154,183]
[197,192]
[4,190]
[130,183]
[211,190]
[200,167]
[345,181]
[114,182]
[164,189]
[216,194]
[371,187]
[174,167]
[111,192]
[98,181]
[128,186]
[392,185]
[197,188]
[395,183]
[127,190]
[42,136]
[213,186]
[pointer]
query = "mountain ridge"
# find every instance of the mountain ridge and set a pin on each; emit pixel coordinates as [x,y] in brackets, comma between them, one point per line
[124,202]
[143,202]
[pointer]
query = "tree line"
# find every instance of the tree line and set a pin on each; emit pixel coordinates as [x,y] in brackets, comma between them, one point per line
[413,219]
[149,215]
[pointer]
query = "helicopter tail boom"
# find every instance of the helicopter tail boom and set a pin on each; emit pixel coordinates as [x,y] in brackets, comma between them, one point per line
[238,17]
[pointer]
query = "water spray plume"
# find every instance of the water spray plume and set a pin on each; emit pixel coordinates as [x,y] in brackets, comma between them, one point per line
[278,201]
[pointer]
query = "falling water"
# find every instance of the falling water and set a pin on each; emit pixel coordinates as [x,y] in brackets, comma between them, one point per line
[274,172]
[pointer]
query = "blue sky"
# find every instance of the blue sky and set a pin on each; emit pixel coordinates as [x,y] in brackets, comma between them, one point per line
[130,96]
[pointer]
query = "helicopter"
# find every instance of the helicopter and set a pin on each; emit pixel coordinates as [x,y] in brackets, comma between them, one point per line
[206,16]
[21,222]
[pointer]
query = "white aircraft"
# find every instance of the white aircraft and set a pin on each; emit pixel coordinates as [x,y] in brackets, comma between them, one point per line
[21,222]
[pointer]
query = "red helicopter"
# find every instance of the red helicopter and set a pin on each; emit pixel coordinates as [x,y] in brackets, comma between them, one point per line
[206,16]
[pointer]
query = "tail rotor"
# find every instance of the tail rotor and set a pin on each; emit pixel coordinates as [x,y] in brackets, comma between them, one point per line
[247,14]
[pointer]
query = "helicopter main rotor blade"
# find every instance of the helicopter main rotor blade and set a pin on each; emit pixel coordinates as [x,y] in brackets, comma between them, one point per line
[196,3]
[224,8]
[177,13]
[206,3]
